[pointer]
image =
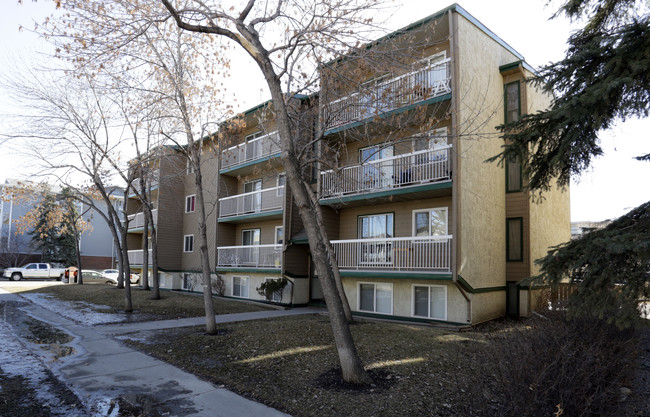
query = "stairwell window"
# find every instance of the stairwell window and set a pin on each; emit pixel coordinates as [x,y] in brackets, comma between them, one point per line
[515,239]
[189,203]
[376,298]
[512,102]
[513,174]
[188,243]
[281,183]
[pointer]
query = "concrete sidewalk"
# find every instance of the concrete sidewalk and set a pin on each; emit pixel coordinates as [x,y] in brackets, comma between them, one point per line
[198,321]
[103,371]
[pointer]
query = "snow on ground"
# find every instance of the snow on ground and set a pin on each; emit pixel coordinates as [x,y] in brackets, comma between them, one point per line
[18,361]
[71,310]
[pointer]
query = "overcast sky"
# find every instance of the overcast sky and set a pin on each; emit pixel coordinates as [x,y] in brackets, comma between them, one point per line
[614,184]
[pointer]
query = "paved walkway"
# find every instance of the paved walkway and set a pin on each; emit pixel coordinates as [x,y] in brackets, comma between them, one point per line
[103,370]
[197,321]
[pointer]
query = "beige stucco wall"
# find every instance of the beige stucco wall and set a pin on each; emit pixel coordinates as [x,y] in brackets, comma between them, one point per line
[488,306]
[550,224]
[300,287]
[481,187]
[403,296]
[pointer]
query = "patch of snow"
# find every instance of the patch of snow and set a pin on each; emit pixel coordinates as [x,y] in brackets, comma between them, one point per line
[79,311]
[18,361]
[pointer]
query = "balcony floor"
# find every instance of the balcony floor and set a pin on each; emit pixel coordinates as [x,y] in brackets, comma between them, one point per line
[396,194]
[244,218]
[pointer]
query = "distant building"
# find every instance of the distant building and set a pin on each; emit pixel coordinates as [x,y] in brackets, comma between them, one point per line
[97,247]
[580,228]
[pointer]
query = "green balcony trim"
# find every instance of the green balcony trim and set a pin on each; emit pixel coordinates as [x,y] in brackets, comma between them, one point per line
[440,185]
[387,114]
[396,275]
[249,163]
[250,216]
[249,270]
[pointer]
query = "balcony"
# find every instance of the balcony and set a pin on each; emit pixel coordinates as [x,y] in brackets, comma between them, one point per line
[154,180]
[136,221]
[252,256]
[429,254]
[267,202]
[400,174]
[248,152]
[136,257]
[387,95]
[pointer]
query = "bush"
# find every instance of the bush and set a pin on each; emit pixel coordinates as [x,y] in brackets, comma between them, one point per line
[551,366]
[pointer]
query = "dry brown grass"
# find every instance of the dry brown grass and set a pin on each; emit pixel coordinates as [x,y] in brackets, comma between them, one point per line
[171,305]
[291,364]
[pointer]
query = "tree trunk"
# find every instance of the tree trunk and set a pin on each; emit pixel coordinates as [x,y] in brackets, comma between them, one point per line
[144,275]
[309,210]
[210,323]
[128,306]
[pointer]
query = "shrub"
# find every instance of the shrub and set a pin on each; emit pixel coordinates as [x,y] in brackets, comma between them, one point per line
[551,366]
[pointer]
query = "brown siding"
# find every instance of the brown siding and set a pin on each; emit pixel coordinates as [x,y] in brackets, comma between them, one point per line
[517,205]
[403,215]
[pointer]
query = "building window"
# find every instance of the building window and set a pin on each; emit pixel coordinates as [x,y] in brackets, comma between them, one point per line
[430,301]
[279,235]
[512,102]
[240,287]
[253,136]
[513,174]
[281,182]
[376,298]
[190,167]
[187,281]
[376,226]
[189,203]
[430,222]
[376,174]
[515,239]
[188,243]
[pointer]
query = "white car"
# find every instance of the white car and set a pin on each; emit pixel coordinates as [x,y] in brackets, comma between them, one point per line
[112,274]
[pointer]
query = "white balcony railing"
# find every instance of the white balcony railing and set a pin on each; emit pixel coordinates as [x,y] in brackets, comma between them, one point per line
[397,171]
[254,202]
[154,180]
[255,256]
[136,221]
[257,148]
[420,253]
[136,257]
[384,96]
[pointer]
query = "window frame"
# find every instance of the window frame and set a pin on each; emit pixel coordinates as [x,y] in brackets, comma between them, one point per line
[232,287]
[374,298]
[186,239]
[275,239]
[389,213]
[428,286]
[521,239]
[189,167]
[279,192]
[428,210]
[505,102]
[521,183]
[190,198]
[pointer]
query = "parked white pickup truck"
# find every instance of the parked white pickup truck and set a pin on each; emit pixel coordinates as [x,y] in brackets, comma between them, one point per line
[34,270]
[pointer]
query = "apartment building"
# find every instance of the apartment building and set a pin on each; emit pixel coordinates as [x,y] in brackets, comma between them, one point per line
[423,228]
[98,250]
[164,176]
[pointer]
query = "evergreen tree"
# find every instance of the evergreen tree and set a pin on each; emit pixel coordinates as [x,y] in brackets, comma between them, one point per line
[604,78]
[52,234]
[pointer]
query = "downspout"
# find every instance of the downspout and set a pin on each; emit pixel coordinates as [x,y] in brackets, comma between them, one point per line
[455,172]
